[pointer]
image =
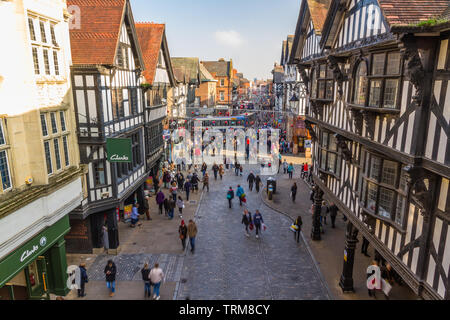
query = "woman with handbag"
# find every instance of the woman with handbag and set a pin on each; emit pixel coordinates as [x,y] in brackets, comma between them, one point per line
[247,220]
[182,231]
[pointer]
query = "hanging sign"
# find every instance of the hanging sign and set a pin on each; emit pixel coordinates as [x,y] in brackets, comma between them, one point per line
[119,150]
[307,143]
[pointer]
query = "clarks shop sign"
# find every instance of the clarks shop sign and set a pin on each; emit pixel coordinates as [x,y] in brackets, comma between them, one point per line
[118,150]
[27,253]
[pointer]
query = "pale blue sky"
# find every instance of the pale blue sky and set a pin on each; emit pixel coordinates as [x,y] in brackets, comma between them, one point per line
[248,31]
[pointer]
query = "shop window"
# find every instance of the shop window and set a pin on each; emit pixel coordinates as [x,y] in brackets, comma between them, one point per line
[99,173]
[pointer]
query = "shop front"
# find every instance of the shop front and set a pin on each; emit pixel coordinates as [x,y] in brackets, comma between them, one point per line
[38,268]
[300,137]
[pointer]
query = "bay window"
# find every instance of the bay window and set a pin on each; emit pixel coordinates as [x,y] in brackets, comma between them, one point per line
[384,188]
[322,88]
[330,157]
[380,88]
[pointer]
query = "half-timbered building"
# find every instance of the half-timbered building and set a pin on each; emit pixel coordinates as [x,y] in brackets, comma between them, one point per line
[159,79]
[106,81]
[377,75]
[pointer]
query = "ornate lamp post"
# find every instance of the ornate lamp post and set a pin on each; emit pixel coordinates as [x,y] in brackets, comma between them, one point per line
[315,232]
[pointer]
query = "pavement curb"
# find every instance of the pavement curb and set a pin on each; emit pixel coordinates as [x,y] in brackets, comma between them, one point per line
[177,286]
[330,295]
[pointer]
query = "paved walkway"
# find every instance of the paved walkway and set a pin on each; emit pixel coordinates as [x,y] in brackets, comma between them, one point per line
[228,265]
[329,251]
[155,241]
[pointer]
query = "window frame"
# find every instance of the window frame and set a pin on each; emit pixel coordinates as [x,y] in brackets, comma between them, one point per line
[325,150]
[396,188]
[8,171]
[382,78]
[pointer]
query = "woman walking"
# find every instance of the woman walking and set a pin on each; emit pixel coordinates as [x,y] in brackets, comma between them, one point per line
[182,231]
[156,277]
[246,220]
[180,205]
[110,274]
[221,171]
[206,182]
[240,194]
[290,170]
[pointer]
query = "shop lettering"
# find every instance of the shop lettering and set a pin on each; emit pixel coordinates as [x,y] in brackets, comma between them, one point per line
[374,280]
[28,253]
[120,158]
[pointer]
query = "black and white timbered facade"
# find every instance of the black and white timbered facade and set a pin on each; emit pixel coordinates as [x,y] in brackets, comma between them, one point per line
[378,111]
[108,104]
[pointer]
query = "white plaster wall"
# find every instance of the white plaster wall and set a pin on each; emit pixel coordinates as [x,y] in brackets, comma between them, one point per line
[25,223]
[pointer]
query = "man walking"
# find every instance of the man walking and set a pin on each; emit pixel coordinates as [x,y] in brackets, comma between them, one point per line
[215,170]
[192,233]
[206,182]
[145,271]
[83,280]
[251,180]
[156,277]
[365,246]
[333,213]
[285,166]
[110,274]
[293,191]
[246,220]
[257,183]
[147,207]
[257,221]
[187,188]
[230,196]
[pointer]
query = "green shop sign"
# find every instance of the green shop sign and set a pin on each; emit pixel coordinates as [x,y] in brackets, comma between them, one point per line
[35,247]
[118,150]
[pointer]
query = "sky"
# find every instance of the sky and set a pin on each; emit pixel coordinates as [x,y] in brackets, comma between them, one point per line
[248,31]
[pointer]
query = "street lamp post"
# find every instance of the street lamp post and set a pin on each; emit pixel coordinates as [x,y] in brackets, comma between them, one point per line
[315,232]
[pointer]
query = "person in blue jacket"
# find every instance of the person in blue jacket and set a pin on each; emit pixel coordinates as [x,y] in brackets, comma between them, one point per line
[239,192]
[257,221]
[83,279]
[135,216]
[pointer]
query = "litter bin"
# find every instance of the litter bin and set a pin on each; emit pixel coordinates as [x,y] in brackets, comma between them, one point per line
[271,187]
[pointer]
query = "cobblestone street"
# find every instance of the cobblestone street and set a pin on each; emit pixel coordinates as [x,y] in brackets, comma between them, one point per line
[228,265]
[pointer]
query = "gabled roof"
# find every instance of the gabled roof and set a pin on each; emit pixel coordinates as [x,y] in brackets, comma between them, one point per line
[190,65]
[318,10]
[406,12]
[96,41]
[150,37]
[181,75]
[205,76]
[300,32]
[221,68]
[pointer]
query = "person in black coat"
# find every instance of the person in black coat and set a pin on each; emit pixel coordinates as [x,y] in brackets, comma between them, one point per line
[333,213]
[293,191]
[110,273]
[145,271]
[166,206]
[83,279]
[246,220]
[257,183]
[187,188]
[251,180]
[298,222]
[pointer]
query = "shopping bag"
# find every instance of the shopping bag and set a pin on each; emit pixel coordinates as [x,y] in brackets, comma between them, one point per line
[244,200]
[385,287]
[294,228]
[264,227]
[250,226]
